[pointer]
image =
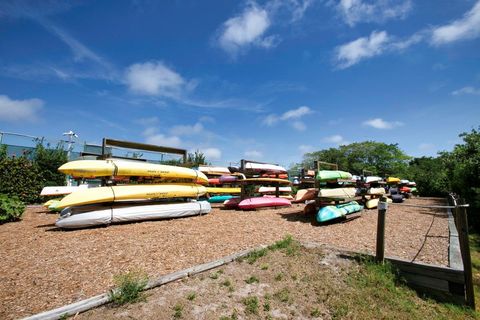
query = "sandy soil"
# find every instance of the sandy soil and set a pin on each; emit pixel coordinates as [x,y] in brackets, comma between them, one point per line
[44,267]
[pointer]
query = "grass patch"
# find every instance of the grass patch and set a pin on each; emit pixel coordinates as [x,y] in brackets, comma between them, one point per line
[288,244]
[191,296]
[227,283]
[252,279]
[266,306]
[282,295]
[214,275]
[264,266]
[251,304]
[315,313]
[278,277]
[253,256]
[129,287]
[177,311]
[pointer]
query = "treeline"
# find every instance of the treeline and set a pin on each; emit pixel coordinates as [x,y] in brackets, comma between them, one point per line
[456,171]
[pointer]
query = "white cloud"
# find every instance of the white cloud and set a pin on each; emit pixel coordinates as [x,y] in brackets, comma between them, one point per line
[366,47]
[304,148]
[163,140]
[466,90]
[153,79]
[336,139]
[468,27]
[187,130]
[212,153]
[293,116]
[244,30]
[357,11]
[19,110]
[253,154]
[148,121]
[379,123]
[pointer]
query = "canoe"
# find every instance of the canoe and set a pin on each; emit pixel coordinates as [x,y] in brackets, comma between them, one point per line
[93,215]
[373,203]
[337,193]
[53,206]
[262,202]
[130,192]
[219,199]
[328,175]
[376,191]
[115,167]
[284,196]
[215,170]
[333,212]
[227,179]
[61,190]
[371,179]
[405,189]
[262,167]
[305,194]
[404,181]
[273,189]
[213,190]
[280,176]
[265,180]
[393,180]
[51,201]
[213,181]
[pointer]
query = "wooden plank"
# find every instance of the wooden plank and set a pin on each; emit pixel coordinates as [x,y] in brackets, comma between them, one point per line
[438,272]
[426,282]
[142,146]
[454,252]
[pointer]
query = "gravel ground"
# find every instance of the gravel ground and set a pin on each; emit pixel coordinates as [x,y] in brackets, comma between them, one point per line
[44,267]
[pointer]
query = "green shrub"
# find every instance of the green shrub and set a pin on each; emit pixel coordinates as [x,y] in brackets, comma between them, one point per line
[11,208]
[48,161]
[128,287]
[19,177]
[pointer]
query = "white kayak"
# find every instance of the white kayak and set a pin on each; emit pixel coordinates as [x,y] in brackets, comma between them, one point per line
[273,189]
[94,215]
[61,190]
[264,167]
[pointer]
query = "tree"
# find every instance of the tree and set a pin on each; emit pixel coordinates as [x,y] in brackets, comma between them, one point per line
[431,176]
[48,161]
[197,158]
[378,157]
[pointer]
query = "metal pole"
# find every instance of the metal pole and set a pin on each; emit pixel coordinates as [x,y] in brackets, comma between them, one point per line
[382,210]
[461,213]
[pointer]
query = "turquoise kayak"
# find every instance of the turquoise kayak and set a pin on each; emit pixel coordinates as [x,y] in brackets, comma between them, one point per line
[327,175]
[219,199]
[333,212]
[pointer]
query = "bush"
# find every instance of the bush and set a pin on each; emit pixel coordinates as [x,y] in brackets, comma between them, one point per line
[19,177]
[11,208]
[128,287]
[48,161]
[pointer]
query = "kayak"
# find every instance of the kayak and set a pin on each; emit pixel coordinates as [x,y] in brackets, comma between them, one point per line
[334,212]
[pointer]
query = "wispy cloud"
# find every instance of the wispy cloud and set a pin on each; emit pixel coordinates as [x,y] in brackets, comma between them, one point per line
[12,110]
[293,116]
[426,146]
[336,139]
[466,90]
[366,47]
[305,148]
[467,27]
[379,123]
[358,11]
[212,153]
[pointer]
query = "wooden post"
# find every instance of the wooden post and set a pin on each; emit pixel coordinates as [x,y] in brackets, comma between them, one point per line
[382,210]
[462,227]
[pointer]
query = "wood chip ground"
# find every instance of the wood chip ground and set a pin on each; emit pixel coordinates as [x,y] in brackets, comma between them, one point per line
[43,267]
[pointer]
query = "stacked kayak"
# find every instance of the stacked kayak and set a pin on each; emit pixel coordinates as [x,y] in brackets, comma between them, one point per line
[305,195]
[253,203]
[329,175]
[222,184]
[172,195]
[334,212]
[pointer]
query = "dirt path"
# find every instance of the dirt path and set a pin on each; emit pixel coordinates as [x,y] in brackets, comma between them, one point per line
[44,267]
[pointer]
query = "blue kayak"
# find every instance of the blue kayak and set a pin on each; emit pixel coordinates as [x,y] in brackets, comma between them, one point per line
[220,199]
[333,212]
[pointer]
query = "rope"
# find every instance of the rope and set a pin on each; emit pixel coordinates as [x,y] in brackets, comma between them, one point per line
[424,239]
[111,209]
[430,207]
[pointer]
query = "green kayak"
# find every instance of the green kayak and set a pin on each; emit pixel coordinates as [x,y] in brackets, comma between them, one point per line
[327,175]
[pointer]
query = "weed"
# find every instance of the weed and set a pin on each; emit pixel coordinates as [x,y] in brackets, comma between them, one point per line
[282,244]
[251,304]
[282,295]
[252,279]
[220,271]
[278,276]
[214,275]
[177,311]
[226,283]
[191,296]
[264,266]
[294,277]
[315,313]
[253,256]
[266,306]
[63,316]
[128,287]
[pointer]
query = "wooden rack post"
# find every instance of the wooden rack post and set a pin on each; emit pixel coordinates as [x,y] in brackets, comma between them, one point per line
[462,227]
[382,210]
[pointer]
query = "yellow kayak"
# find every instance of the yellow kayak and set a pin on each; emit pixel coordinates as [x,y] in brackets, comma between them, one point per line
[51,201]
[393,180]
[114,167]
[213,190]
[131,192]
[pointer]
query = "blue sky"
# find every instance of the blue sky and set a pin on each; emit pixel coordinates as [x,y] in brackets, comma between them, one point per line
[265,80]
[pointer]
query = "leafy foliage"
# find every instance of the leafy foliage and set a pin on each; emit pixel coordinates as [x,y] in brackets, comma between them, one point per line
[377,157]
[48,161]
[430,175]
[11,208]
[197,158]
[129,287]
[20,177]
